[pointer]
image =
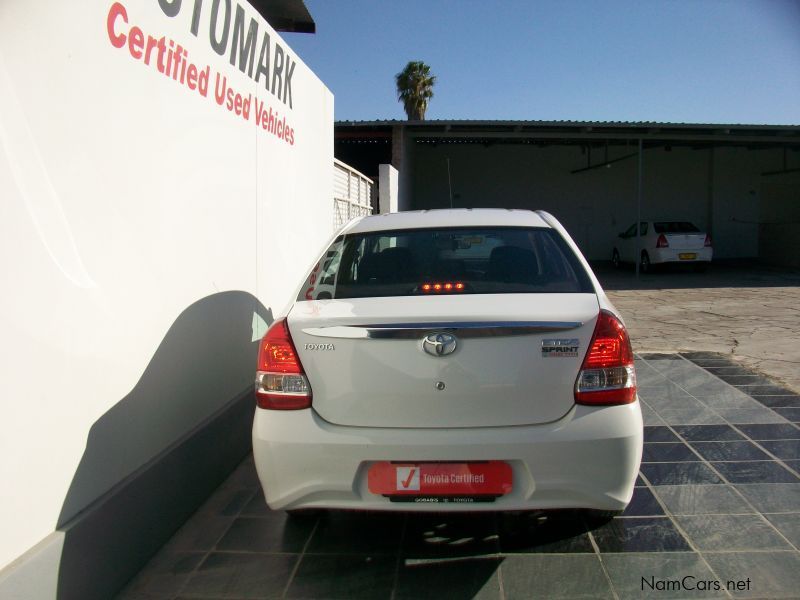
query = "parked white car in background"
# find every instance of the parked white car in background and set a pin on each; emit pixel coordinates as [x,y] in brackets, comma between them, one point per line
[663,242]
[448,360]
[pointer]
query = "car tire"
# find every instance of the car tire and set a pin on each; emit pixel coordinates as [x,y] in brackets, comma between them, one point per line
[644,263]
[615,259]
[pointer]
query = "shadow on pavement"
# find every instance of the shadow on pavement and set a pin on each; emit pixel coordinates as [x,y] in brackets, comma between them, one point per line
[744,273]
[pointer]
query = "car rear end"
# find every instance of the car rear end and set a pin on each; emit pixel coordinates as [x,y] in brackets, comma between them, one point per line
[682,242]
[459,360]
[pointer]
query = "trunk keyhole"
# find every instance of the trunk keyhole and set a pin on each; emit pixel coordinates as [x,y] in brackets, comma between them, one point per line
[440,385]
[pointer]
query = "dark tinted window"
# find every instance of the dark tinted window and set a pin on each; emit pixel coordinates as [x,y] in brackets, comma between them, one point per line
[491,260]
[675,227]
[631,231]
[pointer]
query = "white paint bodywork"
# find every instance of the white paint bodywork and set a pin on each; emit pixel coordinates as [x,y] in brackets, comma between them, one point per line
[375,400]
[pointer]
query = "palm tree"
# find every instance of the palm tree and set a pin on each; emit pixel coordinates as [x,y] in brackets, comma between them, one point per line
[415,88]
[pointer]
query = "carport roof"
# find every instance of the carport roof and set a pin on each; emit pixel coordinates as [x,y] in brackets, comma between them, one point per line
[286,15]
[482,129]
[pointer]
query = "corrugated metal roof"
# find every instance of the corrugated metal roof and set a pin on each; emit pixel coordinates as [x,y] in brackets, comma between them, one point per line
[561,123]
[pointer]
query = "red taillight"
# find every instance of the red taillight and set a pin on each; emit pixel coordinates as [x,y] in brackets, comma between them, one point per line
[607,375]
[662,242]
[281,383]
[707,243]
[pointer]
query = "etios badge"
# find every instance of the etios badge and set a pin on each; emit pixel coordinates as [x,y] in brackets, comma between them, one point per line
[439,344]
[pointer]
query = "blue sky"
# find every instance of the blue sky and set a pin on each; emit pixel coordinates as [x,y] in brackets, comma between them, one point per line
[701,61]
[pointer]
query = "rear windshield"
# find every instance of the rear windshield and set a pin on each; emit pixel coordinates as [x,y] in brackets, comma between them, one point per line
[675,227]
[486,260]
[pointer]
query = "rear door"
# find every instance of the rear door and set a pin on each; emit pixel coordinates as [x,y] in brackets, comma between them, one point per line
[503,349]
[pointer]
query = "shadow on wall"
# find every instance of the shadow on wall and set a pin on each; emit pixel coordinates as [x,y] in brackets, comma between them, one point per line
[172,440]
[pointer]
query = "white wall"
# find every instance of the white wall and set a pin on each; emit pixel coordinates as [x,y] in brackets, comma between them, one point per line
[145,234]
[596,205]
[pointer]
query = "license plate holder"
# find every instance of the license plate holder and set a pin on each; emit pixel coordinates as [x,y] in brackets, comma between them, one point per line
[441,482]
[687,255]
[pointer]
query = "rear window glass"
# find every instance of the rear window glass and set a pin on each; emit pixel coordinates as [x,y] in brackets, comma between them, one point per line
[490,260]
[675,227]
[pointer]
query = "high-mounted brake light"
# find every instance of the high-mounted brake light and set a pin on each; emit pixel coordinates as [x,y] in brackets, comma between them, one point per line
[438,287]
[607,375]
[281,383]
[662,242]
[707,243]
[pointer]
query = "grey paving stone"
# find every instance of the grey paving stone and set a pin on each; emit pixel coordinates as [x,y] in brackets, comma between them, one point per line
[659,575]
[551,532]
[164,575]
[344,532]
[236,575]
[771,574]
[772,497]
[750,415]
[788,524]
[659,434]
[755,472]
[668,452]
[729,401]
[650,417]
[790,414]
[720,451]
[788,449]
[685,473]
[789,401]
[713,387]
[695,416]
[343,577]
[731,532]
[721,393]
[701,499]
[639,534]
[777,431]
[227,501]
[554,576]
[708,433]
[677,402]
[447,535]
[277,534]
[200,533]
[643,504]
[464,578]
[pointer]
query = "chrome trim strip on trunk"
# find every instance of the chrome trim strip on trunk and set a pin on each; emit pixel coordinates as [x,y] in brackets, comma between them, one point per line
[464,329]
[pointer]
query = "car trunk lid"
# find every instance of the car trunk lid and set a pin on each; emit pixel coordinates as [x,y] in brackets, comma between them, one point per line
[515,361]
[686,241]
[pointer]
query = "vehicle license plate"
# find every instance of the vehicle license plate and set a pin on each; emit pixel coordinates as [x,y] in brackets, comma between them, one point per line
[687,256]
[441,482]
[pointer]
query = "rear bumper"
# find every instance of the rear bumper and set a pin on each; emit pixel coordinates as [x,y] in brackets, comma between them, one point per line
[587,459]
[664,255]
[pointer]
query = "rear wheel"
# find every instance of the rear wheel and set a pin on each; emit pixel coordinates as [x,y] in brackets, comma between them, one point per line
[615,259]
[644,263]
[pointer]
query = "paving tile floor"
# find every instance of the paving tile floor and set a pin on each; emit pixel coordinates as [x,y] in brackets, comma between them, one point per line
[717,503]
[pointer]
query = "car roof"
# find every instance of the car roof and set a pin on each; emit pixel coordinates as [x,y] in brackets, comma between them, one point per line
[447,217]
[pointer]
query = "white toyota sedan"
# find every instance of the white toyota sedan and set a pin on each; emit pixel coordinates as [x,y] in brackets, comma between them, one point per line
[663,242]
[448,360]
